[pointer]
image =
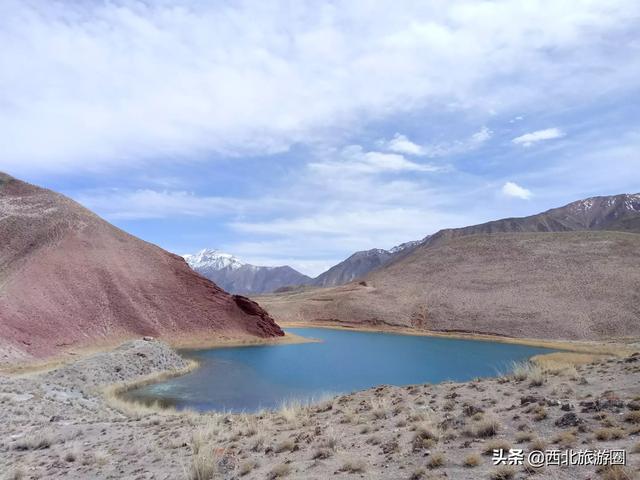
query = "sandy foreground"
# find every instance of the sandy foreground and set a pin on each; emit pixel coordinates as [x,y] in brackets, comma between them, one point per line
[67,422]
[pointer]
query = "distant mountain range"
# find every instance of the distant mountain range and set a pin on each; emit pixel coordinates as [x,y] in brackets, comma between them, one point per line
[617,212]
[235,276]
[571,272]
[242,278]
[361,263]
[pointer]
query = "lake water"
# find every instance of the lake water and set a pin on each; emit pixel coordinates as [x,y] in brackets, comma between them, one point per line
[250,378]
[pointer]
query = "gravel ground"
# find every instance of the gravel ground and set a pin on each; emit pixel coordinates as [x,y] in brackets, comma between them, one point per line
[59,424]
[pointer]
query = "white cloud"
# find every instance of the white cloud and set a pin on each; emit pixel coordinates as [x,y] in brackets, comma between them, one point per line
[512,189]
[481,136]
[354,160]
[104,84]
[529,139]
[401,144]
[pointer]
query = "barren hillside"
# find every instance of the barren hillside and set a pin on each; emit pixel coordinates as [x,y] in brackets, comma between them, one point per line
[570,285]
[69,278]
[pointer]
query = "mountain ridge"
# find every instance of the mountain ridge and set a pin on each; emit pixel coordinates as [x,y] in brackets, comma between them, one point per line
[573,216]
[242,278]
[586,214]
[563,273]
[620,212]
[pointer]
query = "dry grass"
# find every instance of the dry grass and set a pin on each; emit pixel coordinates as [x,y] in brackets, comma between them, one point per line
[284,446]
[203,467]
[113,394]
[533,372]
[520,370]
[418,474]
[207,432]
[615,472]
[379,408]
[290,410]
[279,471]
[540,413]
[353,466]
[633,417]
[472,460]
[565,439]
[605,434]
[425,437]
[505,472]
[331,439]
[537,444]
[486,428]
[73,454]
[247,467]
[99,457]
[557,361]
[322,453]
[492,445]
[523,437]
[35,441]
[436,460]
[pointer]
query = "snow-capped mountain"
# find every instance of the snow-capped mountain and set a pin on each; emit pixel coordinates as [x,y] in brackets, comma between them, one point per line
[613,212]
[234,276]
[210,258]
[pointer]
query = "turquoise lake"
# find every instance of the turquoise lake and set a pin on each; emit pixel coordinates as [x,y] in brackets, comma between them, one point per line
[251,378]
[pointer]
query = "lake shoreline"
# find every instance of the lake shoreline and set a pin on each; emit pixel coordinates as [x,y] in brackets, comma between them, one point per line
[187,343]
[571,351]
[180,343]
[342,361]
[88,437]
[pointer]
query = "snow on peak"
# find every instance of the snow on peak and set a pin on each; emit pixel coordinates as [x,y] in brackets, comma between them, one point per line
[211,258]
[404,246]
[632,202]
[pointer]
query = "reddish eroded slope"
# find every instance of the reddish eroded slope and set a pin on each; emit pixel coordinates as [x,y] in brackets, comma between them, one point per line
[67,277]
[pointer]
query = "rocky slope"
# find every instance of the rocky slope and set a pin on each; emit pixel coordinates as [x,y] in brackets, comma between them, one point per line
[361,263]
[617,212]
[356,266]
[238,277]
[69,278]
[571,285]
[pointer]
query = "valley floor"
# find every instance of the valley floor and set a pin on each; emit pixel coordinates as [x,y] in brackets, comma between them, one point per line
[60,424]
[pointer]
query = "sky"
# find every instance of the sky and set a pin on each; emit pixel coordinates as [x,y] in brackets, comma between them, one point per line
[299,132]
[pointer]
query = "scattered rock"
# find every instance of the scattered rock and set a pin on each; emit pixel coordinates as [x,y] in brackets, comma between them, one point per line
[526,400]
[568,420]
[633,405]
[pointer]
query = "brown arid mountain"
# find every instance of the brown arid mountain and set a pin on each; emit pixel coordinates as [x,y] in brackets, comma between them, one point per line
[555,285]
[356,266]
[70,279]
[616,212]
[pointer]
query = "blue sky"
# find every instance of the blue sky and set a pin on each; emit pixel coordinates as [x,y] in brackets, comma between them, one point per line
[293,133]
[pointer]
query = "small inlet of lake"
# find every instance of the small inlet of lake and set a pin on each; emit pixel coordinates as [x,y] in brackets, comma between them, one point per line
[251,378]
